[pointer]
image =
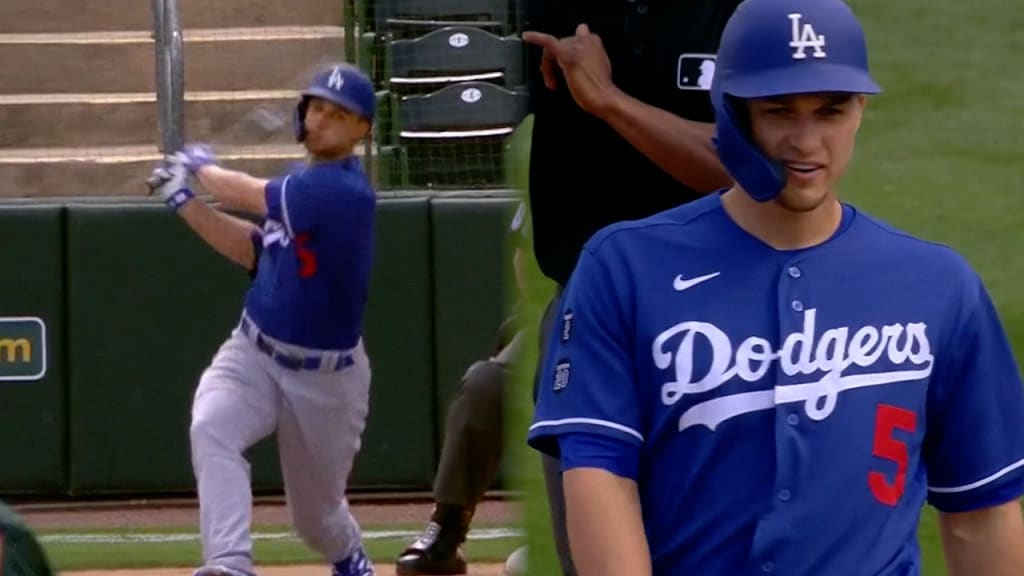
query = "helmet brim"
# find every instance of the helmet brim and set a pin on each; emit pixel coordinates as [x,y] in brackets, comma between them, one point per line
[339,99]
[819,77]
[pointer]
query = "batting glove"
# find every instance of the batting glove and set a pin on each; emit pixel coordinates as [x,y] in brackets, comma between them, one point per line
[169,182]
[195,156]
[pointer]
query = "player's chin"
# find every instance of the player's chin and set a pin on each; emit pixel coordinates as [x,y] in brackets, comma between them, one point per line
[325,149]
[805,198]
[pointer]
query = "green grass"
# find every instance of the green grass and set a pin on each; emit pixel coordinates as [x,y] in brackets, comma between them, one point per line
[67,556]
[939,155]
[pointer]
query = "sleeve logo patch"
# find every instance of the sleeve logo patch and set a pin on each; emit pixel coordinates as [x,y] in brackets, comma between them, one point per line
[566,325]
[561,376]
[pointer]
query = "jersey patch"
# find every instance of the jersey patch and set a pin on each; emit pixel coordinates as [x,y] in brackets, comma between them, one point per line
[566,325]
[696,71]
[562,370]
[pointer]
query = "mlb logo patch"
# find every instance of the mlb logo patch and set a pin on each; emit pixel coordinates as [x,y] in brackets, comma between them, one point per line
[561,376]
[696,71]
[566,325]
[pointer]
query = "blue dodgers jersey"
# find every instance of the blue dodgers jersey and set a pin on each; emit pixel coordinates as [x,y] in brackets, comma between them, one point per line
[312,280]
[790,412]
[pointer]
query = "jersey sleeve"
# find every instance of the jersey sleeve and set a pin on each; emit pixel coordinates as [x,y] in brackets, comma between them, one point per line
[300,201]
[256,237]
[974,443]
[586,383]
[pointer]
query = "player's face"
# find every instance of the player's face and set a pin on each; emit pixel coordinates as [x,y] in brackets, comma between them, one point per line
[813,136]
[332,130]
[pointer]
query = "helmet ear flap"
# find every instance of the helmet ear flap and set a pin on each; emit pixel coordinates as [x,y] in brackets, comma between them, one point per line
[761,177]
[300,119]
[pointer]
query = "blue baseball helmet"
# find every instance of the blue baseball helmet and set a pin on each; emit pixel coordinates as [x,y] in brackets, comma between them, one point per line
[343,84]
[773,48]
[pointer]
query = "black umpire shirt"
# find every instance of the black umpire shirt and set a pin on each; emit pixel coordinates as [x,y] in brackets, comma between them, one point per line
[583,175]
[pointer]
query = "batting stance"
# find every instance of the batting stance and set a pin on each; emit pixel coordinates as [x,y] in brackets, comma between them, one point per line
[768,380]
[295,364]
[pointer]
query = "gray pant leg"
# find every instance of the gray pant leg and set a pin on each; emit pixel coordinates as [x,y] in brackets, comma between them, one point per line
[550,466]
[473,437]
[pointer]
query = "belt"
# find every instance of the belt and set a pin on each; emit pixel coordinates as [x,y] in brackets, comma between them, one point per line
[326,362]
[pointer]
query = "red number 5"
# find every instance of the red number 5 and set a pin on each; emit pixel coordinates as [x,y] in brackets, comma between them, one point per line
[307,259]
[887,419]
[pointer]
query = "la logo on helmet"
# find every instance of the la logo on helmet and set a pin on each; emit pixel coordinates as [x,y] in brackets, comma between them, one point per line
[805,37]
[336,81]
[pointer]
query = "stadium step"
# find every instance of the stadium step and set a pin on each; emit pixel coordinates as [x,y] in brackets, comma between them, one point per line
[118,171]
[226,117]
[114,62]
[27,16]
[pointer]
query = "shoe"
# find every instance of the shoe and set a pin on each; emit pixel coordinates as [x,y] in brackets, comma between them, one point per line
[436,552]
[358,564]
[218,571]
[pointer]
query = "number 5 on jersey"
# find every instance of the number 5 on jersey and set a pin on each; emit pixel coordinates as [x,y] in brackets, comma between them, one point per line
[307,258]
[888,419]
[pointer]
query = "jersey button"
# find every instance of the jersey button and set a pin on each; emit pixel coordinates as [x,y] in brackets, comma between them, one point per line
[798,305]
[793,419]
[784,495]
[794,272]
[767,566]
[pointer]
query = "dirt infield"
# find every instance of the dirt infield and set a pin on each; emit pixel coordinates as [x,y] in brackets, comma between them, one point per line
[156,514]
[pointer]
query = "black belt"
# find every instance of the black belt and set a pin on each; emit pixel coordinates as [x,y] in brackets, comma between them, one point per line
[314,362]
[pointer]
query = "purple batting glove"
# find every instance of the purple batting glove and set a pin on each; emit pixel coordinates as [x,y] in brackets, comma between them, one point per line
[195,156]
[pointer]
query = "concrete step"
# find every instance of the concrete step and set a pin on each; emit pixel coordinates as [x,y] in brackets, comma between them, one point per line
[76,15]
[118,171]
[239,59]
[237,118]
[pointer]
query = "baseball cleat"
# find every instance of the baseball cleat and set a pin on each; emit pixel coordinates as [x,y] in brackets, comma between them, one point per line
[437,552]
[358,564]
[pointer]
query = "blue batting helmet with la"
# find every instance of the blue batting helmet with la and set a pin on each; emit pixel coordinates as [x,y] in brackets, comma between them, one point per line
[343,84]
[772,48]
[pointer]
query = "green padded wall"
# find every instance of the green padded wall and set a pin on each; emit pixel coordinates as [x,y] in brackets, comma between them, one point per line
[32,393]
[472,277]
[148,305]
[399,438]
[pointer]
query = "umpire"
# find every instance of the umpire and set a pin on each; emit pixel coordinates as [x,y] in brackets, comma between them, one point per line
[622,130]
[473,440]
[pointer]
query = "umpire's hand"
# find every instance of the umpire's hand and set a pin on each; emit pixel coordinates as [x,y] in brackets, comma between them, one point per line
[583,63]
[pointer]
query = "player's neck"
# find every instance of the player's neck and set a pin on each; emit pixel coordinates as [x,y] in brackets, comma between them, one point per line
[779,227]
[332,156]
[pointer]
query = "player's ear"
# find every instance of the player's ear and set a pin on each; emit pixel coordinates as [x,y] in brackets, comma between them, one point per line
[365,127]
[861,101]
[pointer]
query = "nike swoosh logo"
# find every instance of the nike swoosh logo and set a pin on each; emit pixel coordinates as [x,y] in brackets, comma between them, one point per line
[681,284]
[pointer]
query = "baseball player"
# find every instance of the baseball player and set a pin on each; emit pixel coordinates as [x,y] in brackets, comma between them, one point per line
[768,380]
[295,364]
[619,97]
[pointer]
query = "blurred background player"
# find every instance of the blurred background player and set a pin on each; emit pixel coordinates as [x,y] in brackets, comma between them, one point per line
[473,441]
[622,129]
[295,364]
